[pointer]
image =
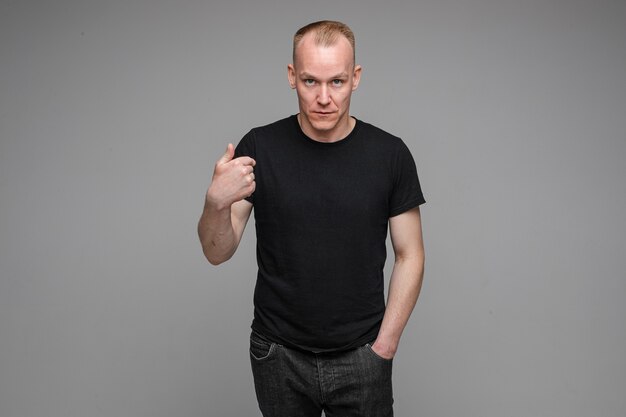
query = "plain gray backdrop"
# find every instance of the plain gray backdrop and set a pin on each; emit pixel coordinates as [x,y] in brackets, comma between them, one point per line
[113,113]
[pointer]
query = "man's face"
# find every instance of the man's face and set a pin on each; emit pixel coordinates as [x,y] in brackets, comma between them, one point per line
[324,78]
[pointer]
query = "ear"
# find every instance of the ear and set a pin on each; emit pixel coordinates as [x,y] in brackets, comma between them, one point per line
[291,75]
[356,77]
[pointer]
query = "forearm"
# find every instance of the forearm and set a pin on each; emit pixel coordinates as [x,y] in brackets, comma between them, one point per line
[217,235]
[404,288]
[225,211]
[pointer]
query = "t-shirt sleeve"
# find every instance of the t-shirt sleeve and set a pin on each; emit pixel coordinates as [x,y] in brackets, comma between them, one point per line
[246,147]
[407,191]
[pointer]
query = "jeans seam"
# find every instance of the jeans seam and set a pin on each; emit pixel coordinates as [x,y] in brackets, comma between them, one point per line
[269,353]
[256,340]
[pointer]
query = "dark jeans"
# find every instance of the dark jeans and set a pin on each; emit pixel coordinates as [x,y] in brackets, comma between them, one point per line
[292,383]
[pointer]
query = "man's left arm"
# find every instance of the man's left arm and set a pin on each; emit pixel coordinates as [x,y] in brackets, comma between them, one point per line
[405,282]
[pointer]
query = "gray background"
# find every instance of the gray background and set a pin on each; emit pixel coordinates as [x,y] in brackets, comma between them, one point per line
[112,114]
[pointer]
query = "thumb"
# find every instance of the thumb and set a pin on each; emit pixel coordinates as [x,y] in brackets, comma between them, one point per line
[228,156]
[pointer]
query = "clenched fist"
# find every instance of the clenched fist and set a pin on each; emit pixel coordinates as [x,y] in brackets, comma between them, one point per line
[233,180]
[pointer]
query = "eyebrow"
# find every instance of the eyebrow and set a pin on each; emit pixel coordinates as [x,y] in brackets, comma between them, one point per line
[306,75]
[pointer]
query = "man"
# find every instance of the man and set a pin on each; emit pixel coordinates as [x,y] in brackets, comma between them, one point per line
[324,187]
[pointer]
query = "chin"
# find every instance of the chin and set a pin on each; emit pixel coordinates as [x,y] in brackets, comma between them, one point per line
[323,123]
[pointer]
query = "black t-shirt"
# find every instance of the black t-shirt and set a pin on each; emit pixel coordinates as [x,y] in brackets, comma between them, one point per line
[321,213]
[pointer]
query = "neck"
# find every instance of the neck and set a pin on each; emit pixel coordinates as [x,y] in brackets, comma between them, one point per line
[340,132]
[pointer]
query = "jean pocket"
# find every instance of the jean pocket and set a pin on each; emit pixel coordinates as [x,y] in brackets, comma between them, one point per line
[368,347]
[260,349]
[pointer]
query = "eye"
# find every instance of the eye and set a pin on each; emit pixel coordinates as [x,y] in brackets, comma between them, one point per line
[309,82]
[337,83]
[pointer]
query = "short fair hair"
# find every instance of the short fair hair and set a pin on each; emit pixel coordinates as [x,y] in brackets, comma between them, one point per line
[327,33]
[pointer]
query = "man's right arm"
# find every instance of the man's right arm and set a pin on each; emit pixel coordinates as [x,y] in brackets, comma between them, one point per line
[226,211]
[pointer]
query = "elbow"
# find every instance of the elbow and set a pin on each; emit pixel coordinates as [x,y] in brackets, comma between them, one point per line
[212,252]
[216,258]
[215,261]
[414,262]
[416,258]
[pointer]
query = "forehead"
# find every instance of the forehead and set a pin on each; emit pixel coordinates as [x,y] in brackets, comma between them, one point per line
[311,57]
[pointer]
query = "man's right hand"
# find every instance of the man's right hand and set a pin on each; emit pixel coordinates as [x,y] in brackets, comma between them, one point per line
[233,180]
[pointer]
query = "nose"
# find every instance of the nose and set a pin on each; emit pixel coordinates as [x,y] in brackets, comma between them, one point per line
[323,98]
